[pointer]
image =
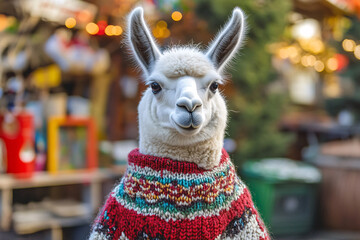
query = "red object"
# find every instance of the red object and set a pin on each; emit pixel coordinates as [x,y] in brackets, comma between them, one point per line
[17,132]
[102,25]
[342,61]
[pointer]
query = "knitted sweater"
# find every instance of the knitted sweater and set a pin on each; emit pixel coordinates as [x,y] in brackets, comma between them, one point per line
[159,198]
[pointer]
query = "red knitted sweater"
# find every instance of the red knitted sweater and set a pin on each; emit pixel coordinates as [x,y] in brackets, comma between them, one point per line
[159,198]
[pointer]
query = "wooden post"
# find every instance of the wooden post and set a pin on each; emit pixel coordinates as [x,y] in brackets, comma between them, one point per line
[95,196]
[6,208]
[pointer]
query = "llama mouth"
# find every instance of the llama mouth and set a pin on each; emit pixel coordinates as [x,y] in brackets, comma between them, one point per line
[190,128]
[187,128]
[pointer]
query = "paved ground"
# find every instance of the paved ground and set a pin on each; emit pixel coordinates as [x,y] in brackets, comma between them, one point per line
[324,235]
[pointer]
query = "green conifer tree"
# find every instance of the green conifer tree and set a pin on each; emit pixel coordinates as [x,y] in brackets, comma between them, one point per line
[254,112]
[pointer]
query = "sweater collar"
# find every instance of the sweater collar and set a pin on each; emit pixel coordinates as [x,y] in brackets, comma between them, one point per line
[158,163]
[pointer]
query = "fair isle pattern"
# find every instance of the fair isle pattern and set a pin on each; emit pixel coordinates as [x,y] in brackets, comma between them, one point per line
[180,191]
[146,192]
[167,211]
[159,198]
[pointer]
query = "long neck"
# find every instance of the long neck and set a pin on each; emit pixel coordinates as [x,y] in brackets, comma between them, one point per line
[205,154]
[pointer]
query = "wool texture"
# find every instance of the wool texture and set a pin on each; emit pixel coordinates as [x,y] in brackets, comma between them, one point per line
[160,198]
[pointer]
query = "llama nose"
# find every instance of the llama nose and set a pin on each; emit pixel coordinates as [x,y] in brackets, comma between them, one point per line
[189,104]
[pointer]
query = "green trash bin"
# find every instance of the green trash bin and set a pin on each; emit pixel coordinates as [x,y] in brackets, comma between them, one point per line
[284,192]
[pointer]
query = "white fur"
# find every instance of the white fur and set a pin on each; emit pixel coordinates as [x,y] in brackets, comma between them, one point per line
[185,121]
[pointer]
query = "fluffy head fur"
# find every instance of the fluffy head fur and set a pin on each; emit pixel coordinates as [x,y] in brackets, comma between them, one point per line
[182,115]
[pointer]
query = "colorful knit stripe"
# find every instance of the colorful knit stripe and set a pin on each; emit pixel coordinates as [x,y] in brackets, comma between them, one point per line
[227,174]
[168,211]
[161,164]
[181,191]
[169,176]
[151,195]
[117,221]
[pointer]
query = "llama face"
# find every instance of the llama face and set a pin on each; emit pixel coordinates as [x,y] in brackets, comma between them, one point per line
[183,85]
[182,105]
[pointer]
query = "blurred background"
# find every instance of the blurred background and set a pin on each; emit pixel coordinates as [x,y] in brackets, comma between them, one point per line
[69,93]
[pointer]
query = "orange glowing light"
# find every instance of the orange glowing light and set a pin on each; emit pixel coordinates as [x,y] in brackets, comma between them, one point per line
[117,30]
[70,22]
[109,30]
[161,24]
[176,16]
[92,28]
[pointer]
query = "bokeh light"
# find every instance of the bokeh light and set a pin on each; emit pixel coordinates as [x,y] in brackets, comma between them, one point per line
[357,52]
[332,64]
[161,24]
[109,30]
[349,45]
[176,16]
[319,66]
[117,30]
[316,46]
[70,22]
[161,30]
[3,22]
[112,30]
[92,28]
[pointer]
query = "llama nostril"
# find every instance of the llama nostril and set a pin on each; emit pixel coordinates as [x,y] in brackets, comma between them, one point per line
[184,106]
[196,104]
[189,105]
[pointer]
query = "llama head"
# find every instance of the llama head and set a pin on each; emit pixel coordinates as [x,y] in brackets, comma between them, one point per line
[182,114]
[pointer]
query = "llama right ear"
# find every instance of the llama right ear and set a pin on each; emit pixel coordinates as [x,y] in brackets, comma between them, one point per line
[228,40]
[141,41]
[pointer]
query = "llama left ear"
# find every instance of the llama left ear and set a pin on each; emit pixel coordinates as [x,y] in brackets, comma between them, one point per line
[141,41]
[228,40]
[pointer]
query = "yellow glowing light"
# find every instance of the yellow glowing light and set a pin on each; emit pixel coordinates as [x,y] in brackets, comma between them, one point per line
[70,22]
[161,24]
[166,33]
[332,64]
[295,59]
[304,61]
[176,16]
[348,45]
[316,46]
[311,59]
[161,32]
[283,53]
[156,32]
[292,51]
[109,30]
[117,30]
[357,52]
[3,22]
[92,28]
[319,66]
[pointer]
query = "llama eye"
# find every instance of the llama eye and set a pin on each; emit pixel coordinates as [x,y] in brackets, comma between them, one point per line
[214,86]
[156,88]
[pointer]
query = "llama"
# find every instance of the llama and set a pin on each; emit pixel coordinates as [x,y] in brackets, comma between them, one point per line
[180,183]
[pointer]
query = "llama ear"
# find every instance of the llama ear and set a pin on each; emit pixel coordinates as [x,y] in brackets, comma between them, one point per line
[228,40]
[141,41]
